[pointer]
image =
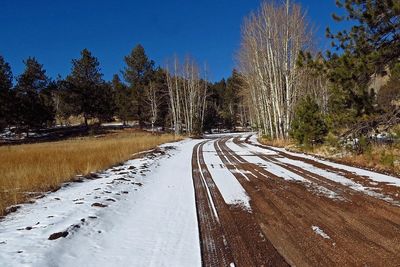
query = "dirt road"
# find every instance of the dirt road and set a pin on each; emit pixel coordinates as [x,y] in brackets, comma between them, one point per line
[300,210]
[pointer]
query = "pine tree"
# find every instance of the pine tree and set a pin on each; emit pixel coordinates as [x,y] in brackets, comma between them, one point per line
[137,73]
[123,99]
[375,36]
[106,106]
[308,125]
[88,91]
[368,48]
[388,96]
[231,100]
[214,108]
[159,81]
[6,98]
[34,109]
[64,100]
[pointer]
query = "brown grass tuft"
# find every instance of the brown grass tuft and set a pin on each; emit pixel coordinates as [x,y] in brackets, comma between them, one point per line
[383,158]
[36,168]
[276,142]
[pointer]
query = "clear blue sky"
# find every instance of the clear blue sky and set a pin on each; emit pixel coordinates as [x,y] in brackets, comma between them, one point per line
[55,31]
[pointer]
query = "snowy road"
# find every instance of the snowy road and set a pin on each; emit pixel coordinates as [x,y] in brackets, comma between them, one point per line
[223,201]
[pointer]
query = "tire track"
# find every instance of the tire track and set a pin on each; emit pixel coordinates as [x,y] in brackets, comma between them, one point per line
[243,240]
[390,190]
[363,231]
[214,250]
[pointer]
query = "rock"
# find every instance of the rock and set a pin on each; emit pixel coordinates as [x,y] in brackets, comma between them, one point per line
[58,235]
[92,176]
[12,209]
[96,204]
[121,179]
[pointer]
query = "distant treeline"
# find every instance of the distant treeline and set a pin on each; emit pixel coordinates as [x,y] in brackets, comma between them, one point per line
[142,93]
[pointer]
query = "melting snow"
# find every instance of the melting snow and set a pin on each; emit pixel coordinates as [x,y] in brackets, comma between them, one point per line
[230,188]
[374,176]
[320,232]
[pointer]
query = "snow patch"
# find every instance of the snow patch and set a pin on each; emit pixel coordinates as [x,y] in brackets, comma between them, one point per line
[374,176]
[320,232]
[230,188]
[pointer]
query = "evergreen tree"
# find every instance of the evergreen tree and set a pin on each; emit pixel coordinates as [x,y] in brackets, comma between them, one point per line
[375,36]
[6,98]
[231,100]
[106,106]
[88,92]
[308,126]
[123,99]
[388,96]
[64,100]
[368,48]
[159,81]
[214,108]
[137,73]
[34,109]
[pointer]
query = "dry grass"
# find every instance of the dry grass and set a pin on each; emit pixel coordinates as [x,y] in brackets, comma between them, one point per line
[276,142]
[43,167]
[380,157]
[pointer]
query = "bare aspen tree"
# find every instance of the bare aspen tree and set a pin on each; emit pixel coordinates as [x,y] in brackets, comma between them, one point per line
[187,92]
[174,94]
[271,41]
[153,98]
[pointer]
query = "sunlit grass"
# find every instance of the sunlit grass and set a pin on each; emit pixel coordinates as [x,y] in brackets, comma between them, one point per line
[43,167]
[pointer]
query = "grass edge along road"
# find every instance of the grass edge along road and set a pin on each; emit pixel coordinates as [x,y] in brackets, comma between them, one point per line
[28,170]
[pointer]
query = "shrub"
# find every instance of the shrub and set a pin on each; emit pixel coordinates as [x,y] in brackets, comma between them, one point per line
[332,140]
[387,159]
[363,146]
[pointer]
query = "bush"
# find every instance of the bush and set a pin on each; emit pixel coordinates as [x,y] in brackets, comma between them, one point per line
[387,159]
[332,140]
[308,126]
[363,146]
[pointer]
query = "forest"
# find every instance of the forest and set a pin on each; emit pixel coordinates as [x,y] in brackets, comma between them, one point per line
[176,98]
